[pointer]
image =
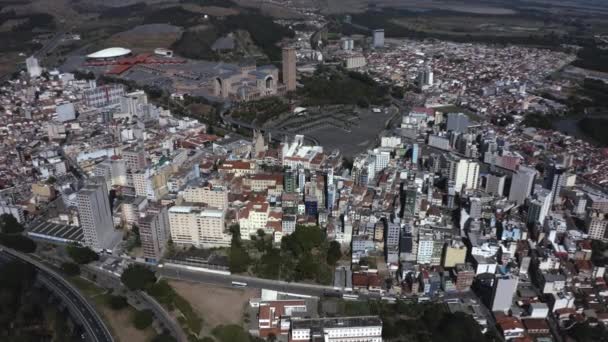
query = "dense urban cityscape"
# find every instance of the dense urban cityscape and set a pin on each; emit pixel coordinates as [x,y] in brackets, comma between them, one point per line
[340,183]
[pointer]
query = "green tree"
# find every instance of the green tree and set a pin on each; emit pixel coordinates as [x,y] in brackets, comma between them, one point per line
[143,319]
[334,253]
[117,302]
[71,269]
[238,257]
[9,224]
[82,255]
[18,242]
[164,337]
[137,277]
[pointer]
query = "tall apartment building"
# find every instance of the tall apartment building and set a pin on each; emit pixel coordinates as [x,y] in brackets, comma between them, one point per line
[32,66]
[132,103]
[410,202]
[212,195]
[378,38]
[135,159]
[495,184]
[150,183]
[539,205]
[154,232]
[339,329]
[558,178]
[290,181]
[95,215]
[455,252]
[464,173]
[426,244]
[392,235]
[464,275]
[521,184]
[105,95]
[596,223]
[504,290]
[381,159]
[16,211]
[200,227]
[289,68]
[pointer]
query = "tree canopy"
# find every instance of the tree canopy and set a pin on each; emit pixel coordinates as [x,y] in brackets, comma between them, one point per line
[70,268]
[9,224]
[137,277]
[82,255]
[143,319]
[18,242]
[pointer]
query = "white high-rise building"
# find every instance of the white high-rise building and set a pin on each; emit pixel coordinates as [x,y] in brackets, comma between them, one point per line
[521,184]
[95,216]
[378,38]
[504,290]
[539,207]
[33,68]
[464,173]
[132,103]
[195,226]
[425,247]
[382,158]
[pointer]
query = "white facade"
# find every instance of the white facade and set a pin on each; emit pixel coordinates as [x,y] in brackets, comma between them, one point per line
[347,329]
[464,173]
[14,210]
[33,68]
[355,62]
[198,227]
[425,249]
[216,196]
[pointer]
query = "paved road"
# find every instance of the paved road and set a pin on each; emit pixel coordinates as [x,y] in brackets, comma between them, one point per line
[96,329]
[160,313]
[227,279]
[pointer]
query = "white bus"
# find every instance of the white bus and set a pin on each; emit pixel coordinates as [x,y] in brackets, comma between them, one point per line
[350,296]
[239,284]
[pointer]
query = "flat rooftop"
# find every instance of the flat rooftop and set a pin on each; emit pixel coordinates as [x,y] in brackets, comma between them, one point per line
[339,322]
[56,231]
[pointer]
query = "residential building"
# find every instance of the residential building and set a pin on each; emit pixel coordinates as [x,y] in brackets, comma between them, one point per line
[504,290]
[212,195]
[455,252]
[521,184]
[95,216]
[464,173]
[378,38]
[200,227]
[154,232]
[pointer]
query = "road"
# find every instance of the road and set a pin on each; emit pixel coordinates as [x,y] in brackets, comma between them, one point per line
[95,328]
[227,279]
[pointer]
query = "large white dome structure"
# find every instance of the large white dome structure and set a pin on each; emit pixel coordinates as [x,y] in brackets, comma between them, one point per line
[113,52]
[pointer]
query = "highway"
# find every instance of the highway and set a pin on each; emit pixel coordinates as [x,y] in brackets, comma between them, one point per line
[85,314]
